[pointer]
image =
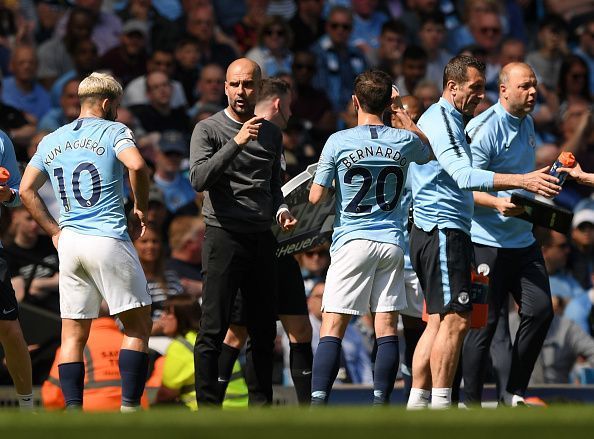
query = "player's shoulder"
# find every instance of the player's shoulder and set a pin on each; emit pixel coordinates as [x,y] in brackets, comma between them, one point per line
[399,134]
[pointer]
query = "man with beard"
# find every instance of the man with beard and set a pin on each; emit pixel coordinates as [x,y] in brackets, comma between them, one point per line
[235,159]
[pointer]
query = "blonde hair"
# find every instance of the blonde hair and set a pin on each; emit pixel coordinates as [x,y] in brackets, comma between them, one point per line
[183,228]
[99,86]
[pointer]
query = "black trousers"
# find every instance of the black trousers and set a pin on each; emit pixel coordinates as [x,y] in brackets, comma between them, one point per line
[522,273]
[233,261]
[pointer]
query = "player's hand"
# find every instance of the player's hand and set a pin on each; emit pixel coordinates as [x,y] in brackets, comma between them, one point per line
[249,131]
[507,208]
[578,174]
[287,221]
[56,238]
[5,193]
[541,182]
[137,225]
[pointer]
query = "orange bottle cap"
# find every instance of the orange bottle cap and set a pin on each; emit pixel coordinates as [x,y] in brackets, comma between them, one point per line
[4,175]
[567,159]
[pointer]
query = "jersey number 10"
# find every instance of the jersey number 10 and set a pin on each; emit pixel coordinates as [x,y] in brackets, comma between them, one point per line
[95,181]
[380,188]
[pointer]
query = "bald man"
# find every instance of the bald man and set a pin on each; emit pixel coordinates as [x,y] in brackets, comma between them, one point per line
[235,160]
[503,141]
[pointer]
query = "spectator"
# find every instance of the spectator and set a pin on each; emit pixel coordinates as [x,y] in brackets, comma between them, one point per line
[367,25]
[200,24]
[314,264]
[581,255]
[412,16]
[574,80]
[107,26]
[245,32]
[103,390]
[512,50]
[68,111]
[186,235]
[33,267]
[546,61]
[160,61]
[47,12]
[178,192]
[181,321]
[161,283]
[22,90]
[463,35]
[311,106]
[157,215]
[564,344]
[414,69]
[55,55]
[431,37]
[158,115]
[85,59]
[272,52]
[586,48]
[307,24]
[428,92]
[19,126]
[127,60]
[210,89]
[186,67]
[338,62]
[392,43]
[555,250]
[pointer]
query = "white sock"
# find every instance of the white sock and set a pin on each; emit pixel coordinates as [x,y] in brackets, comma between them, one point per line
[441,398]
[25,401]
[130,409]
[418,399]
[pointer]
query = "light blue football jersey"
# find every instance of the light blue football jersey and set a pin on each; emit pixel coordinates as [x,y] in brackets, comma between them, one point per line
[81,161]
[504,144]
[368,164]
[442,189]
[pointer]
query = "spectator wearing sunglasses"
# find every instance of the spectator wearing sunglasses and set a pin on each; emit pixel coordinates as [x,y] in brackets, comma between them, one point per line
[339,63]
[272,53]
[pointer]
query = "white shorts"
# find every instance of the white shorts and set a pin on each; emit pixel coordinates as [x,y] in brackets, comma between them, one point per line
[365,276]
[414,295]
[93,268]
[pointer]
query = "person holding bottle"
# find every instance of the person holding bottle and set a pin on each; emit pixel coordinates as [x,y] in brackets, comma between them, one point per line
[502,140]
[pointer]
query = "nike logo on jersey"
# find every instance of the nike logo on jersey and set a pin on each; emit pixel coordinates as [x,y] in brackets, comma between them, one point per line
[7,312]
[306,372]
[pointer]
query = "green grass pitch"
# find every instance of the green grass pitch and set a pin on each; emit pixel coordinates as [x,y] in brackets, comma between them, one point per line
[558,422]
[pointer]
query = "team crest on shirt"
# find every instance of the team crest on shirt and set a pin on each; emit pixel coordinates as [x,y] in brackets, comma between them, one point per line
[463,298]
[532,142]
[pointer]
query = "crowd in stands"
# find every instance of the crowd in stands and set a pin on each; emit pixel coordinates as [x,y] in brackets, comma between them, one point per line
[171,57]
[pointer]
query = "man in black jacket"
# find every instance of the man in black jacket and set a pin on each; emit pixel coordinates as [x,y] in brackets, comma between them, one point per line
[235,160]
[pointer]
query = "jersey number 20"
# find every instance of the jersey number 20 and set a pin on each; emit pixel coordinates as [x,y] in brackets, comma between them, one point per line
[380,188]
[95,181]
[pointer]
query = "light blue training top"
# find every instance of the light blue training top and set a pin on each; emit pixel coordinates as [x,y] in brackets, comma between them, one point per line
[504,144]
[442,189]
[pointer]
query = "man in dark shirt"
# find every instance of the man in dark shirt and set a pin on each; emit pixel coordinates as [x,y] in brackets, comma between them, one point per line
[235,159]
[158,114]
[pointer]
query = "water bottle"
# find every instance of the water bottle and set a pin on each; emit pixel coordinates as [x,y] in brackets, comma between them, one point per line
[479,295]
[565,160]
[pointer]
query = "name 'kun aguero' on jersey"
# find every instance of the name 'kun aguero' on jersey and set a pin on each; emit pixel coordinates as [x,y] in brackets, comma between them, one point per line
[84,143]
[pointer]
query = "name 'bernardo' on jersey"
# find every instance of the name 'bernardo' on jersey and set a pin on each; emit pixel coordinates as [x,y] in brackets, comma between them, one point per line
[84,143]
[372,151]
